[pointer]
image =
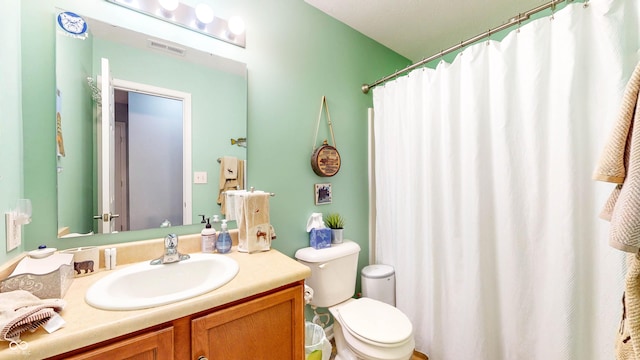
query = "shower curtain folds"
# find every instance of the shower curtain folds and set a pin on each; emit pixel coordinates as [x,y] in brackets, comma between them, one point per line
[493,225]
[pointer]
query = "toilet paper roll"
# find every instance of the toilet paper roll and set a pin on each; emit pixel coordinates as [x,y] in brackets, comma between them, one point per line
[85,259]
[308,294]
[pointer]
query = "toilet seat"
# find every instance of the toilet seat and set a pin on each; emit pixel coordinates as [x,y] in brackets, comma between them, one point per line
[364,350]
[375,322]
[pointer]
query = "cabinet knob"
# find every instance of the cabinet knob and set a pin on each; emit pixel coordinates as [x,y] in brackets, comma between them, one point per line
[202,357]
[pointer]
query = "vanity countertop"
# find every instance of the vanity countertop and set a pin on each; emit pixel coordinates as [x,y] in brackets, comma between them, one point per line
[85,325]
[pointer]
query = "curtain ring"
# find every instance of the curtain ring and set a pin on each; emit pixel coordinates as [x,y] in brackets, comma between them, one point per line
[586,4]
[519,22]
[553,10]
[488,36]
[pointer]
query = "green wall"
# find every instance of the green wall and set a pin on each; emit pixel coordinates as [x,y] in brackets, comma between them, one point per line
[74,103]
[295,54]
[11,173]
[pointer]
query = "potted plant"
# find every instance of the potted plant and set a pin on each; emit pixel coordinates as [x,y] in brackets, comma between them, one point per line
[335,222]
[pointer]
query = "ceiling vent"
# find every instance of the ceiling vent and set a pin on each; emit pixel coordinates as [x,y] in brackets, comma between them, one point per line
[155,44]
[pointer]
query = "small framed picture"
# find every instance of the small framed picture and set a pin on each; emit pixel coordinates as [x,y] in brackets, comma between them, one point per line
[323,194]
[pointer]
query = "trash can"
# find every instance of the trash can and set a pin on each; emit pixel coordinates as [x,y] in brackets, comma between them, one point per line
[316,344]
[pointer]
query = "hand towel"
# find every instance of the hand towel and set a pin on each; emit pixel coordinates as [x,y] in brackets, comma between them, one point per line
[628,337]
[623,345]
[229,184]
[231,200]
[21,311]
[620,164]
[252,217]
[225,183]
[229,166]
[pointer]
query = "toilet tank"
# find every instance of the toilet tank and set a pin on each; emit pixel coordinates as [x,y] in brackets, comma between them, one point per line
[333,272]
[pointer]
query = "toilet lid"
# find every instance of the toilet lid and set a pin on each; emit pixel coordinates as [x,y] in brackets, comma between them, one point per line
[376,321]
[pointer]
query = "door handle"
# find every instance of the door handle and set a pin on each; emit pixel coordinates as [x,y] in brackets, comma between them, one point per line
[106,217]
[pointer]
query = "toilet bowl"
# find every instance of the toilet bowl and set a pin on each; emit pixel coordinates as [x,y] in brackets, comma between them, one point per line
[364,328]
[370,329]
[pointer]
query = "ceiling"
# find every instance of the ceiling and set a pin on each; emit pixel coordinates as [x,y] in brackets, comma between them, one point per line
[418,29]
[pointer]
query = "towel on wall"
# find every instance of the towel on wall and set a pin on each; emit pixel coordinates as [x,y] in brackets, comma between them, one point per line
[229,166]
[252,217]
[628,337]
[21,311]
[230,202]
[620,164]
[225,184]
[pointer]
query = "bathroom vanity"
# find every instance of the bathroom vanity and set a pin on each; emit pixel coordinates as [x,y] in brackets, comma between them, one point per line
[266,326]
[258,314]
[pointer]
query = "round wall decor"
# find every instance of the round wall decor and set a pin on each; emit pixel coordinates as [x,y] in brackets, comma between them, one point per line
[72,23]
[325,160]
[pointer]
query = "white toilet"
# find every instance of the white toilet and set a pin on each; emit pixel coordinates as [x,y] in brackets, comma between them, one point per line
[363,328]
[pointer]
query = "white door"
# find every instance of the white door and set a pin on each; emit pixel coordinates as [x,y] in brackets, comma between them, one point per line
[106,153]
[121,177]
[185,99]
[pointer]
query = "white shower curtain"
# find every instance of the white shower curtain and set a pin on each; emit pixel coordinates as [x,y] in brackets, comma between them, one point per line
[484,199]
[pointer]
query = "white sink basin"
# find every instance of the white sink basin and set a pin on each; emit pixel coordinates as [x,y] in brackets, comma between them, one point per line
[143,285]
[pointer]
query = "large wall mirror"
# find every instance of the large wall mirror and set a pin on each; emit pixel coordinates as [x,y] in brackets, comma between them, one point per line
[176,112]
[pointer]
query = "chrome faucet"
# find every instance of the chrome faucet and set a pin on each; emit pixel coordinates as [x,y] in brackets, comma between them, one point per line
[171,253]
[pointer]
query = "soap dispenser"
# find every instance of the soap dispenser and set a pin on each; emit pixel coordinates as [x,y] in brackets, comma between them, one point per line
[208,235]
[223,245]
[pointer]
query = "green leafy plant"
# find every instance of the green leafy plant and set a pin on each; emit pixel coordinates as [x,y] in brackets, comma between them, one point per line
[334,221]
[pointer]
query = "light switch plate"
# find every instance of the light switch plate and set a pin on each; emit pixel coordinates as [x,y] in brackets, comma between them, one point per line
[14,231]
[200,177]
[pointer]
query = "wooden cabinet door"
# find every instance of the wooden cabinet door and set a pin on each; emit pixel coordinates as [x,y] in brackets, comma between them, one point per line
[269,327]
[156,345]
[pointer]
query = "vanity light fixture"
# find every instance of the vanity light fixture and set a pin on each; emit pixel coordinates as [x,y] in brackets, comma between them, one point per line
[169,5]
[236,25]
[200,18]
[204,15]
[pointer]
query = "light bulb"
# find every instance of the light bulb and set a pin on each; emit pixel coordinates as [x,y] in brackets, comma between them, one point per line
[204,13]
[169,5]
[236,25]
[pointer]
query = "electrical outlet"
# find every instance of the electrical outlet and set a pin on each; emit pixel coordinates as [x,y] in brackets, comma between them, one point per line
[14,231]
[200,177]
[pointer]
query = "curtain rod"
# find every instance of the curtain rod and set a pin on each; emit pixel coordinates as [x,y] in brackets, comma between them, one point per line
[513,21]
